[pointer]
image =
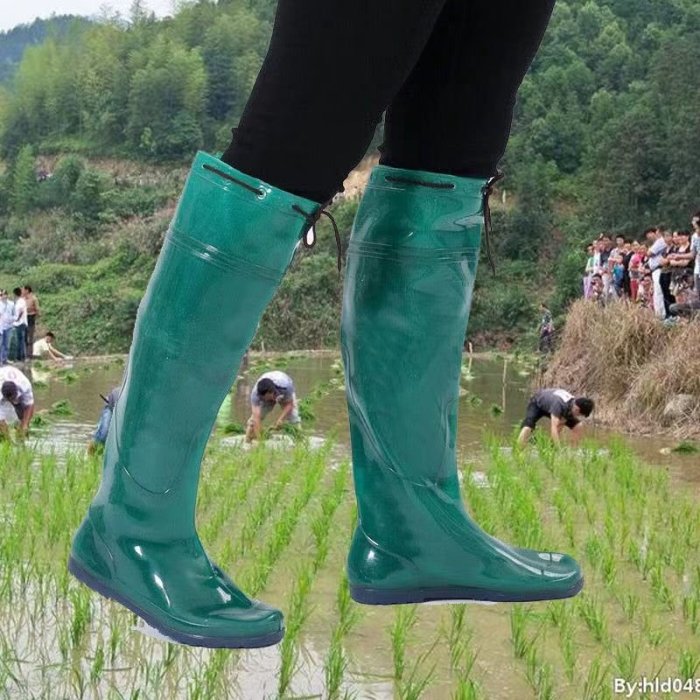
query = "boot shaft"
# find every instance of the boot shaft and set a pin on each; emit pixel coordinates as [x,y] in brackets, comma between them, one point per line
[411,267]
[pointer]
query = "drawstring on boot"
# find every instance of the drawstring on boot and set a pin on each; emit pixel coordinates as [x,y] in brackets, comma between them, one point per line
[486,192]
[311,218]
[310,235]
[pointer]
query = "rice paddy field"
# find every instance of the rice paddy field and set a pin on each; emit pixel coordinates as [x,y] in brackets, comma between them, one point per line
[279,518]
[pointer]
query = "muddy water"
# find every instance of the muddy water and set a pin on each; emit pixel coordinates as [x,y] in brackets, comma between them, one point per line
[494,395]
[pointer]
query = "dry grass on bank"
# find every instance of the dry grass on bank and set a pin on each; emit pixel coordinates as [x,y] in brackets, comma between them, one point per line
[632,365]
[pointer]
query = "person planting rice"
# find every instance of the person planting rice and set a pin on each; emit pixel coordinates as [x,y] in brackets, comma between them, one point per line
[17,401]
[562,409]
[271,389]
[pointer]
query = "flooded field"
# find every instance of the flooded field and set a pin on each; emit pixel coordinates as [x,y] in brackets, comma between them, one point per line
[279,518]
[495,391]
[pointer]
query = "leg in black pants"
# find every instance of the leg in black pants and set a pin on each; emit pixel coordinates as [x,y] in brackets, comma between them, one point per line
[665,282]
[447,70]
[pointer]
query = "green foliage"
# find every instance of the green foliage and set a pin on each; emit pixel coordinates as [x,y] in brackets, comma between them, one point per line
[96,318]
[166,100]
[54,278]
[23,188]
[61,408]
[14,41]
[306,309]
[58,189]
[686,448]
[87,197]
[605,137]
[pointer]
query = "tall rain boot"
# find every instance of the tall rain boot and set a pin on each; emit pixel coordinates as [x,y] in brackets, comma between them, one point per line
[226,251]
[411,266]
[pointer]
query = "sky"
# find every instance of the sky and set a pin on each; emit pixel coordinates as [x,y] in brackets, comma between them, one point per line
[14,12]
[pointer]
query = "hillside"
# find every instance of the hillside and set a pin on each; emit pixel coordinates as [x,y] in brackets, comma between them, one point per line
[605,137]
[14,41]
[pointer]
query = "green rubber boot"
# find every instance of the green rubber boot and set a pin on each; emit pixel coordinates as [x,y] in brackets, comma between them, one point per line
[410,273]
[226,251]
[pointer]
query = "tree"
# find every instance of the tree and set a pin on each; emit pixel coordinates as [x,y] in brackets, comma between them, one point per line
[24,185]
[166,101]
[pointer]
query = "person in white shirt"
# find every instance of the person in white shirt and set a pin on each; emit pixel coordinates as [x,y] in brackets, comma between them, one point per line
[655,254]
[7,320]
[20,325]
[44,348]
[16,401]
[272,389]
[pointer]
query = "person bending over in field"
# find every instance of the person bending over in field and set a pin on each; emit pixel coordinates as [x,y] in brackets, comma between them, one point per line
[16,402]
[563,410]
[271,389]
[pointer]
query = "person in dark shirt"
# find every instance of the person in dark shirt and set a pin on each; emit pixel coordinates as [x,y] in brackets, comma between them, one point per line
[562,408]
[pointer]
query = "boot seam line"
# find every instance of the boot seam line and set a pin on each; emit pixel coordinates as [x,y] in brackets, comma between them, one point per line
[469,254]
[218,258]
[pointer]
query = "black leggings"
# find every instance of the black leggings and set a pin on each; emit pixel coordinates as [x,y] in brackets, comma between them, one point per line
[445,71]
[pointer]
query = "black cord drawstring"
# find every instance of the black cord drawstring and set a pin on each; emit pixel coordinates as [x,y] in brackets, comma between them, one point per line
[255,190]
[312,220]
[486,192]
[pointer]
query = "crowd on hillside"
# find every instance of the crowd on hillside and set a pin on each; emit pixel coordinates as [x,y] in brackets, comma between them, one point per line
[661,272]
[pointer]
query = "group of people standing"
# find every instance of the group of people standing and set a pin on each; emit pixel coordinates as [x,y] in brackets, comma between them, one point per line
[661,273]
[18,319]
[18,316]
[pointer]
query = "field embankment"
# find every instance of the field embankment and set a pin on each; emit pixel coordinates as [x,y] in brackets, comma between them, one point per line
[644,376]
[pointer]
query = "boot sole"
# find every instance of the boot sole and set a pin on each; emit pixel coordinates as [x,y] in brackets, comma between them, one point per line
[453,594]
[173,635]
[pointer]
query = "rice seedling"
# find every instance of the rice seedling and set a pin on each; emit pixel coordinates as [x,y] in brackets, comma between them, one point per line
[519,616]
[78,682]
[608,567]
[468,689]
[655,637]
[334,668]
[61,408]
[691,611]
[688,664]
[404,621]
[594,550]
[560,613]
[660,589]
[594,616]
[540,676]
[630,604]
[458,640]
[596,685]
[412,686]
[80,601]
[626,657]
[97,666]
[568,652]
[298,612]
[348,612]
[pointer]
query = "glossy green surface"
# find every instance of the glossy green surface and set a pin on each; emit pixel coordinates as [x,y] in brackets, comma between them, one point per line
[223,258]
[411,266]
